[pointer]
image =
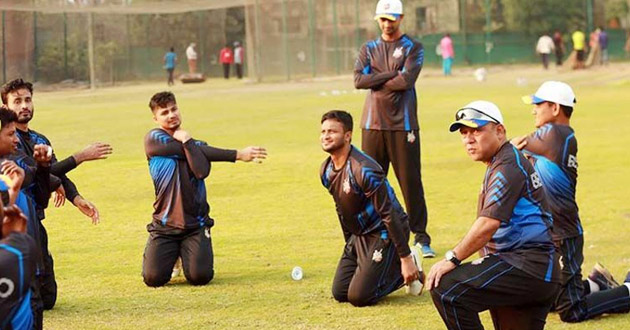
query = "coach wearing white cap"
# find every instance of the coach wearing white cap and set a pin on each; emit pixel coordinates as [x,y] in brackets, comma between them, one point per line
[553,152]
[388,68]
[517,275]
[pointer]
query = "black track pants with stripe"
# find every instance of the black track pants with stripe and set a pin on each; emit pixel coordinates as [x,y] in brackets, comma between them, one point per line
[575,303]
[369,270]
[515,299]
[402,149]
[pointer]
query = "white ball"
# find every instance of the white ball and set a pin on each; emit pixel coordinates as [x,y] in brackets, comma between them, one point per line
[296,273]
[414,288]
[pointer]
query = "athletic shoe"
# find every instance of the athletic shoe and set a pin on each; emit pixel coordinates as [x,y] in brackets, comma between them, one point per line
[415,288]
[602,277]
[177,269]
[627,280]
[427,251]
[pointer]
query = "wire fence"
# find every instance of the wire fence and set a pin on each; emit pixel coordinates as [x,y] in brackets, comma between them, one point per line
[51,41]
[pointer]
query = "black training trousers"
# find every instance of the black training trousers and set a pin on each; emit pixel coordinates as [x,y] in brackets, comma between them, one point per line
[575,303]
[369,270]
[48,283]
[402,149]
[226,70]
[239,70]
[166,244]
[515,299]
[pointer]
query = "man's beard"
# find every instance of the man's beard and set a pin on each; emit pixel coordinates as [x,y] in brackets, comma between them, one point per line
[24,120]
[333,147]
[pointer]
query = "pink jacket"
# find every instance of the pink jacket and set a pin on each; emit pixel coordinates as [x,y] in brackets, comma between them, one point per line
[446,46]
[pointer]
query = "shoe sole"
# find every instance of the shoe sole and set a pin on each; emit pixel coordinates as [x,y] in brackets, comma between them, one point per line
[606,274]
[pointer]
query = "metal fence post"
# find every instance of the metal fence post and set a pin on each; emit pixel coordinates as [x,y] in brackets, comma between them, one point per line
[336,36]
[34,46]
[489,44]
[285,40]
[65,45]
[4,49]
[311,27]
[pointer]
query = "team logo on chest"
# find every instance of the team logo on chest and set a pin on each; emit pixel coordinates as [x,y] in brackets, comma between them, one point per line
[377,256]
[398,52]
[346,186]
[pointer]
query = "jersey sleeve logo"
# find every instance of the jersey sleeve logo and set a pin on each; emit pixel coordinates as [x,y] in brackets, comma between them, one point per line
[398,52]
[536,181]
[411,137]
[572,162]
[6,287]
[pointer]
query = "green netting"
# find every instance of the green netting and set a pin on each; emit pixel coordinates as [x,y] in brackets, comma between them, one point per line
[47,40]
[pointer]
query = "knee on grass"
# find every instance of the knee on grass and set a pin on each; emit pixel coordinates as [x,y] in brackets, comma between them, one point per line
[200,278]
[155,280]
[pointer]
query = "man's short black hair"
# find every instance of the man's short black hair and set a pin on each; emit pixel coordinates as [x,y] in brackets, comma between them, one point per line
[566,110]
[7,117]
[172,49]
[161,99]
[12,86]
[341,116]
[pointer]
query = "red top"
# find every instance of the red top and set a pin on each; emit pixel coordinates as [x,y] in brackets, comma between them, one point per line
[226,56]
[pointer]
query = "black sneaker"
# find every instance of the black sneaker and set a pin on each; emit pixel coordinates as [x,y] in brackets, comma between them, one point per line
[602,277]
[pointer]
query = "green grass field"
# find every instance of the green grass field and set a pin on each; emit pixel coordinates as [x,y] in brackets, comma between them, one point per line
[273,216]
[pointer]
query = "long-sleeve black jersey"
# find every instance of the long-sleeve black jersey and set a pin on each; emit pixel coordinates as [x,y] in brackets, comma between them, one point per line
[178,171]
[389,71]
[365,201]
[18,259]
[554,155]
[58,169]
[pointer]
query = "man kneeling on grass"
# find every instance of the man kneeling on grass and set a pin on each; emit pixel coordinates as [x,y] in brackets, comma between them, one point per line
[181,224]
[376,260]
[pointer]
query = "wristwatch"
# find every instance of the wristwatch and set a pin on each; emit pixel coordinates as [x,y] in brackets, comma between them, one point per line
[452,257]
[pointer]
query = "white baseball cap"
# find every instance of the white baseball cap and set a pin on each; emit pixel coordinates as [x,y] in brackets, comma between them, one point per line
[554,92]
[477,114]
[389,9]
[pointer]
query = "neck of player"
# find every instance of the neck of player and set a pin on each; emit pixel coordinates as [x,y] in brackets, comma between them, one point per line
[340,156]
[22,126]
[392,37]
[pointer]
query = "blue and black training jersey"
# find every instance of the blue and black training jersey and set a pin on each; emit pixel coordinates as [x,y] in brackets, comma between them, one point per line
[512,193]
[58,169]
[18,259]
[553,149]
[389,70]
[365,201]
[178,171]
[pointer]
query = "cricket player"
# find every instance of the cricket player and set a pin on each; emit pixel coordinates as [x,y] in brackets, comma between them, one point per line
[517,277]
[18,264]
[17,96]
[376,260]
[12,193]
[388,68]
[181,224]
[553,152]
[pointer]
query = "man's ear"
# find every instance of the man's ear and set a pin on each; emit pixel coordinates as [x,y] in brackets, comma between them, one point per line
[348,136]
[556,110]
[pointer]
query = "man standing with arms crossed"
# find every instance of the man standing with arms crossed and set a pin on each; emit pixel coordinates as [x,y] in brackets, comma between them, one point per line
[376,260]
[553,152]
[389,67]
[17,96]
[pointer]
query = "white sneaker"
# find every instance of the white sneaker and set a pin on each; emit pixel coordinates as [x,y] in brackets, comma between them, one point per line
[415,288]
[177,269]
